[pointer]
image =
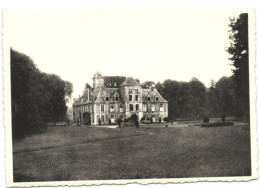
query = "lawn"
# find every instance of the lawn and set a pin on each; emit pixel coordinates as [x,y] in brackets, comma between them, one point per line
[88,153]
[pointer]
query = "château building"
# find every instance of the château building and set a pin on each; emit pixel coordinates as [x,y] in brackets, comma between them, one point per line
[109,104]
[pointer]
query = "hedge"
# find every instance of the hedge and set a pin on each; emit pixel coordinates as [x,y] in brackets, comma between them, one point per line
[217,124]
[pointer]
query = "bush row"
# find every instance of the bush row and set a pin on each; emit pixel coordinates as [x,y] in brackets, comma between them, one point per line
[217,124]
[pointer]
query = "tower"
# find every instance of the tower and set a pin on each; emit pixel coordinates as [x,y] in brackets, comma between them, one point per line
[98,80]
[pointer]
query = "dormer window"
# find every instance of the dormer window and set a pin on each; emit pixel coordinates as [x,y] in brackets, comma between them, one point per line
[157,99]
[148,98]
[116,98]
[107,99]
[136,90]
[83,100]
[130,90]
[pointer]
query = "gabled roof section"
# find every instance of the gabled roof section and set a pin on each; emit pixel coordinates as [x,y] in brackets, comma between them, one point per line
[109,92]
[130,81]
[152,93]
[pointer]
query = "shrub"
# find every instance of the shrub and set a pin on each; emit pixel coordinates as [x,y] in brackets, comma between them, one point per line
[217,124]
[86,118]
[119,121]
[166,119]
[134,117]
[205,119]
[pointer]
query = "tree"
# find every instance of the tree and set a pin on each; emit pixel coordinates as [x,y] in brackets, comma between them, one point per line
[134,119]
[147,84]
[221,97]
[185,99]
[239,53]
[119,121]
[36,97]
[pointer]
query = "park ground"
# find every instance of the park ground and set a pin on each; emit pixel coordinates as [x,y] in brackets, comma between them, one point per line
[93,153]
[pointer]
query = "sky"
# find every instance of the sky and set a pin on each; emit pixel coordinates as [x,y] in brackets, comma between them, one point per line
[155,44]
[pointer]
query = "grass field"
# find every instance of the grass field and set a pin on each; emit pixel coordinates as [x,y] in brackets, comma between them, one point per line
[87,153]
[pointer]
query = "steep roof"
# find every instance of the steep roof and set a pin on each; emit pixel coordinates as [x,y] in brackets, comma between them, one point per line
[99,93]
[130,81]
[152,93]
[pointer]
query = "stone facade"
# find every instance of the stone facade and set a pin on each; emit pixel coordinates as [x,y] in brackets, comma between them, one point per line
[121,102]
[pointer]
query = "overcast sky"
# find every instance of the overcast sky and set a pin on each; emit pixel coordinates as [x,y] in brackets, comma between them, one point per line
[146,44]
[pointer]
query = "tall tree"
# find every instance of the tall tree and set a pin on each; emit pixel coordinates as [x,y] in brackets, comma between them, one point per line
[221,97]
[239,53]
[36,97]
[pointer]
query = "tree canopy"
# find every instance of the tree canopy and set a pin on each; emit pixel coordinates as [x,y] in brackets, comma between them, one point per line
[239,56]
[36,97]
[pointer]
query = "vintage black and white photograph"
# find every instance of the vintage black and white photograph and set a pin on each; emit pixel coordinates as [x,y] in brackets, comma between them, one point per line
[140,95]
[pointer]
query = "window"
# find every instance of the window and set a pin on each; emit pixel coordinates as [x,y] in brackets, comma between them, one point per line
[83,100]
[130,97]
[153,108]
[107,99]
[136,90]
[102,118]
[148,98]
[161,107]
[130,90]
[121,116]
[136,107]
[116,98]
[157,99]
[121,108]
[102,108]
[144,107]
[136,97]
[131,107]
[111,108]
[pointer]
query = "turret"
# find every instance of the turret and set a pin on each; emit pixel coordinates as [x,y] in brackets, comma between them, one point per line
[98,80]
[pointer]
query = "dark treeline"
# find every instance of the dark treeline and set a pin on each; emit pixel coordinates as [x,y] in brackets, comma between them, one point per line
[192,100]
[37,98]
